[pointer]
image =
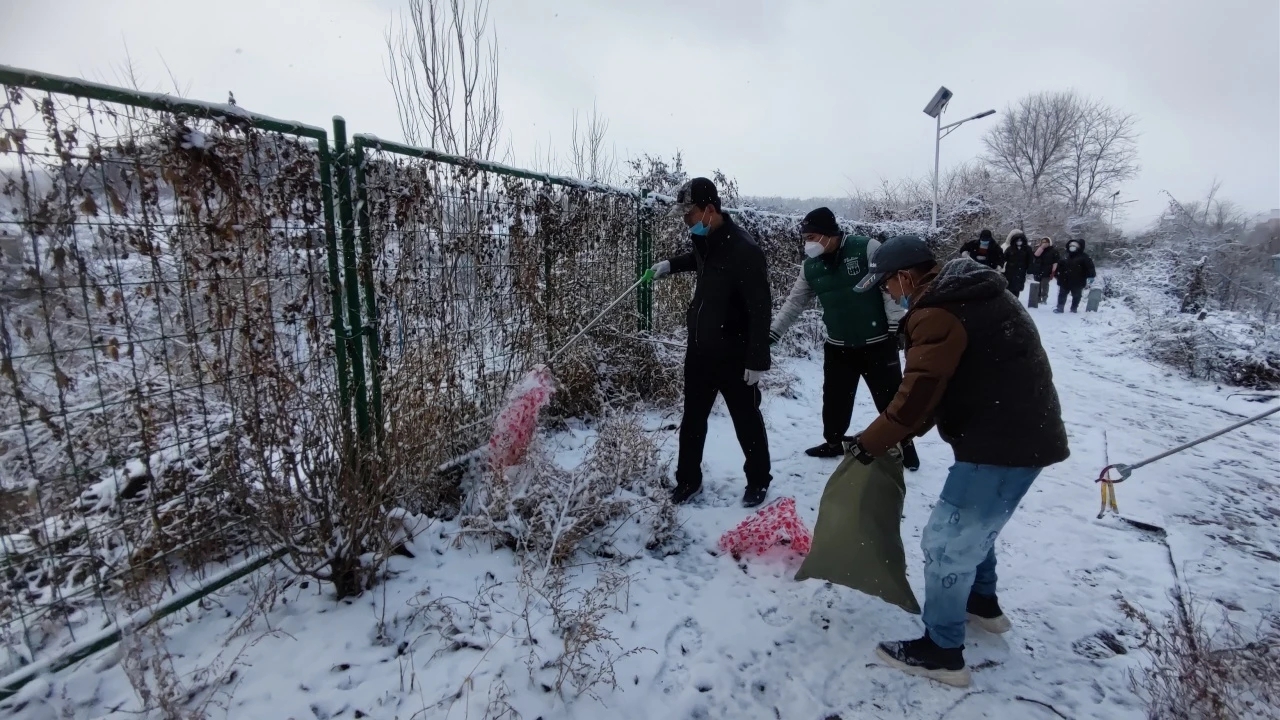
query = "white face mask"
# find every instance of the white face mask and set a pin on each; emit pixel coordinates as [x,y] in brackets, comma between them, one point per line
[813,249]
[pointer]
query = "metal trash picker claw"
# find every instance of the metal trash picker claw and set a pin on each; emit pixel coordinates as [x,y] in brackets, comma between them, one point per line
[1124,471]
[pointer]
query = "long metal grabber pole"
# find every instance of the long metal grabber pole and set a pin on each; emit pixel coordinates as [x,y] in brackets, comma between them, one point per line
[1127,470]
[648,275]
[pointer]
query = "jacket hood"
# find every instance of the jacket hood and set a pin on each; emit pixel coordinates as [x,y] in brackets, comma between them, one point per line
[963,280]
[1078,242]
[1014,236]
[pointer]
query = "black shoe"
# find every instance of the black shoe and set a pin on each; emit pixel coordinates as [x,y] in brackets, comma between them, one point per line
[684,493]
[924,658]
[910,458]
[1057,311]
[984,611]
[1073,310]
[754,496]
[826,450]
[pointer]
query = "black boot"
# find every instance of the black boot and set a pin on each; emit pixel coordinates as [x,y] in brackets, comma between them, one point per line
[984,611]
[683,493]
[924,658]
[754,496]
[1058,310]
[826,450]
[910,459]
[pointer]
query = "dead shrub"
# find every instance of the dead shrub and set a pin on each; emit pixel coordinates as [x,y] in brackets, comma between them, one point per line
[1197,673]
[589,651]
[550,511]
[324,501]
[618,370]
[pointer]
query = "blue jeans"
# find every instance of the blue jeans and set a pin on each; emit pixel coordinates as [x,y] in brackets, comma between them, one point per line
[959,542]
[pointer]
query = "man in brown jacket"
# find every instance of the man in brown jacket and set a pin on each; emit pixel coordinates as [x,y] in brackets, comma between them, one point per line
[975,369]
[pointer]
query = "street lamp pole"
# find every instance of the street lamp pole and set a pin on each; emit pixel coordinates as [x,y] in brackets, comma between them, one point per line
[934,110]
[937,154]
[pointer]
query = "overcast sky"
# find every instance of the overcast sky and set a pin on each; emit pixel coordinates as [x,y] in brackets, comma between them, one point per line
[797,98]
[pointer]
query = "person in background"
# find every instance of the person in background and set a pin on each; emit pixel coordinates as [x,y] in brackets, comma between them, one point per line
[985,250]
[861,328]
[1017,261]
[1075,273]
[728,321]
[1044,266]
[977,370]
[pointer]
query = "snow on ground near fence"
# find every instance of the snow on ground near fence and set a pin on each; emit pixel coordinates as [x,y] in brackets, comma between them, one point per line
[726,639]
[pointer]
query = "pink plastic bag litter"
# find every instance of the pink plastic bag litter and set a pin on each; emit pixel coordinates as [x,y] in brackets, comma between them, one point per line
[513,429]
[775,524]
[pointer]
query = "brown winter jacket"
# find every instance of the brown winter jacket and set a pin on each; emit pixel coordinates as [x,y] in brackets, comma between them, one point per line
[976,369]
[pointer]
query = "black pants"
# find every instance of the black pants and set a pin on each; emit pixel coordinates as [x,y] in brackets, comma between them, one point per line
[1075,294]
[703,381]
[842,368]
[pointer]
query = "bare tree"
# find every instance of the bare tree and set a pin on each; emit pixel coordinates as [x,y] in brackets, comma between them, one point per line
[443,69]
[1101,152]
[589,159]
[1029,146]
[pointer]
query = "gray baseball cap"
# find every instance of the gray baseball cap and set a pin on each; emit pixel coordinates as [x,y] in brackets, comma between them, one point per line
[897,253]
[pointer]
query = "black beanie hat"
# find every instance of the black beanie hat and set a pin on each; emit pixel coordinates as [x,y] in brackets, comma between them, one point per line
[700,192]
[821,221]
[986,235]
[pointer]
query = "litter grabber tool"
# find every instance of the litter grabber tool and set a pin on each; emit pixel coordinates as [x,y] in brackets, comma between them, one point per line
[1125,471]
[514,425]
[647,277]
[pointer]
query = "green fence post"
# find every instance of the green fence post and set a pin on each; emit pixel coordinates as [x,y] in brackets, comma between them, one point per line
[644,261]
[351,279]
[366,279]
[335,284]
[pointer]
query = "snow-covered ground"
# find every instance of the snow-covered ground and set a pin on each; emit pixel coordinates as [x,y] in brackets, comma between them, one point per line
[726,639]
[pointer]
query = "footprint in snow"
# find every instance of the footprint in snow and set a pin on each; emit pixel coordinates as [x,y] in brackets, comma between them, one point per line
[774,618]
[683,643]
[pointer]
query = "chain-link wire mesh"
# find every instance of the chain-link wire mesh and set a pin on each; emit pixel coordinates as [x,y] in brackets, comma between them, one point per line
[164,301]
[479,275]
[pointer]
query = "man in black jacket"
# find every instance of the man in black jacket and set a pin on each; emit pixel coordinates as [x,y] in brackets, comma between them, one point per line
[728,350]
[985,250]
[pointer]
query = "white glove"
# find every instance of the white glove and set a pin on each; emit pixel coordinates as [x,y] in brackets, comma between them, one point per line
[662,269]
[752,377]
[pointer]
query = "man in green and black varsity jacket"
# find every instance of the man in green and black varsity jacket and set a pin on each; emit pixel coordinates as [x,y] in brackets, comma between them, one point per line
[862,328]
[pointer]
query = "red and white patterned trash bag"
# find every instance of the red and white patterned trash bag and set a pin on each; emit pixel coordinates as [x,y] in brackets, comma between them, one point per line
[777,523]
[514,427]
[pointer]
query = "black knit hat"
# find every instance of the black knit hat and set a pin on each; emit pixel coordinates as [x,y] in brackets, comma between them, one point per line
[822,222]
[700,192]
[986,235]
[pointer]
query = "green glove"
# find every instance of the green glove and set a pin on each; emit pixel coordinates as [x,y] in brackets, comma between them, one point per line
[647,277]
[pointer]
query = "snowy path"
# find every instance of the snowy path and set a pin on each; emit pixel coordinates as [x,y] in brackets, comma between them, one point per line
[743,640]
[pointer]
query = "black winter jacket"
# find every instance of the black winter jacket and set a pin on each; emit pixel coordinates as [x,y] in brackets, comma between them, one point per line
[729,316]
[1017,261]
[1075,269]
[1000,406]
[992,258]
[1042,264]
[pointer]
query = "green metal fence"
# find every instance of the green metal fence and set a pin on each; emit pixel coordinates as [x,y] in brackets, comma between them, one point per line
[474,272]
[168,289]
[185,286]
